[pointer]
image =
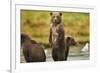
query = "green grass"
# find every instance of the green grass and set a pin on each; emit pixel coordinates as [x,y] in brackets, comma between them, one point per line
[37,23]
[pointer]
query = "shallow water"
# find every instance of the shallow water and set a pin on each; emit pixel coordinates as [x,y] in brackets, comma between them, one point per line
[72,56]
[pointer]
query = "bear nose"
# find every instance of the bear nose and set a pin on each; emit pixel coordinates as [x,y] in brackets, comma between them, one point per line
[55,18]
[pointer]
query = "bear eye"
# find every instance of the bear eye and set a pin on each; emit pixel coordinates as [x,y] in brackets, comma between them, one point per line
[58,17]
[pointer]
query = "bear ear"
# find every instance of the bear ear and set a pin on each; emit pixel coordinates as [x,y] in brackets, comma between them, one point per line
[51,13]
[68,38]
[60,14]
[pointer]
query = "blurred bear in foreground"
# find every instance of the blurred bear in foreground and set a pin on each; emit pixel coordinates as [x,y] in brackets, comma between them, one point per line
[32,51]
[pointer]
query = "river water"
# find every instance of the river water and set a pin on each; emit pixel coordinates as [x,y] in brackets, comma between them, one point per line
[72,56]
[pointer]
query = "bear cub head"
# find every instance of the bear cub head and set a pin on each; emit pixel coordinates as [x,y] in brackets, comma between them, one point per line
[56,17]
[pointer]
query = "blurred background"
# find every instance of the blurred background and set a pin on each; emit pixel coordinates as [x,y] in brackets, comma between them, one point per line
[37,23]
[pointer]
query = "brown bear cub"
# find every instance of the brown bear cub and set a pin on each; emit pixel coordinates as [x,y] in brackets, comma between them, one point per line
[56,37]
[70,41]
[32,51]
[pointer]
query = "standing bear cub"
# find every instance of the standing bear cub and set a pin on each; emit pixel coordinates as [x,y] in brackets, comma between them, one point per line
[56,37]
